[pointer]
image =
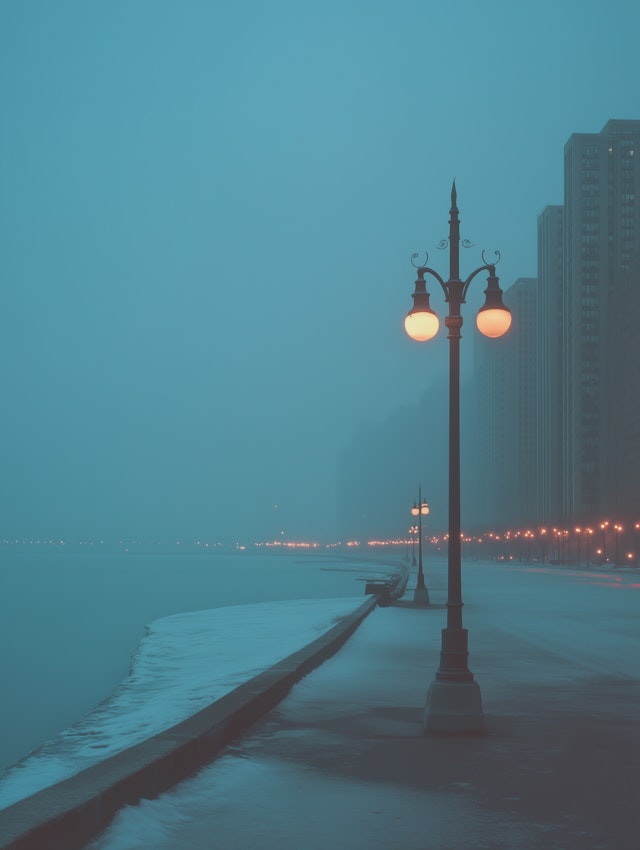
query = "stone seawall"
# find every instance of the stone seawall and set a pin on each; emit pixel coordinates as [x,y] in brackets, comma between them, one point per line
[67,815]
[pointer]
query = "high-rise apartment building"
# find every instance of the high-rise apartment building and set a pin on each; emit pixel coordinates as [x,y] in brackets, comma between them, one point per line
[600,339]
[549,365]
[506,398]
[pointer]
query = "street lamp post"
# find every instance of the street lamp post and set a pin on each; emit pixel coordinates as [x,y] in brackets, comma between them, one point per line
[618,530]
[543,545]
[454,701]
[589,532]
[603,527]
[420,594]
[413,530]
[559,545]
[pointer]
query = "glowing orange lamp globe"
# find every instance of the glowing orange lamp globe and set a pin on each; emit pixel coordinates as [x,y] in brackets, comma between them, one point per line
[421,325]
[493,321]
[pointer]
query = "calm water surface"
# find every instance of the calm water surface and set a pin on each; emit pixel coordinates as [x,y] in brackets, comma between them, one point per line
[70,621]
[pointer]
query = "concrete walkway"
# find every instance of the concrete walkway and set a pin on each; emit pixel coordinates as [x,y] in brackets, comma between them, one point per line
[343,763]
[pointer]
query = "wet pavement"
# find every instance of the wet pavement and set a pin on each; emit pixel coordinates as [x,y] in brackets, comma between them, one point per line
[343,762]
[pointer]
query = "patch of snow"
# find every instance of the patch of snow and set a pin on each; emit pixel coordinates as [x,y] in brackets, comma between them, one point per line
[184,663]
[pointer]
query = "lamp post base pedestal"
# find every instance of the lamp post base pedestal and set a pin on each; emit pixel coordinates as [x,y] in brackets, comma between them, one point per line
[421,595]
[454,708]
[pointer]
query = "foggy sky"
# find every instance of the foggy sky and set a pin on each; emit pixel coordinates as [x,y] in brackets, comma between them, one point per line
[207,211]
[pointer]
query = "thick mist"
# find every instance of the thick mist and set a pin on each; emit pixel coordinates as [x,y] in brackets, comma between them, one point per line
[207,214]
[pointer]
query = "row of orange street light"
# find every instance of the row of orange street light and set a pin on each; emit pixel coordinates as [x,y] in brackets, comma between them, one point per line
[603,542]
[599,543]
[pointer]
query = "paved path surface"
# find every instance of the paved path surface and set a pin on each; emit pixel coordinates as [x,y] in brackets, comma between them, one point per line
[342,762]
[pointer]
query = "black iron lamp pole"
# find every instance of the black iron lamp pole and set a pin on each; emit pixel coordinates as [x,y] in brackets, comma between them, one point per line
[454,702]
[420,594]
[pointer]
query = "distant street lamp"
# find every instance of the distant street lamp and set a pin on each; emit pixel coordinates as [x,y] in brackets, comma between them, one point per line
[413,530]
[420,594]
[454,701]
[603,527]
[589,533]
[544,546]
[618,530]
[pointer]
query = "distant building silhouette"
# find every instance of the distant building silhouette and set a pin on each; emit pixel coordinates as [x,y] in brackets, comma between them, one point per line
[600,328]
[559,414]
[551,425]
[506,416]
[380,468]
[549,418]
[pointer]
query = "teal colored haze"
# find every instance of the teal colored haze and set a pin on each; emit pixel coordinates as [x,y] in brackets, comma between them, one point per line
[207,211]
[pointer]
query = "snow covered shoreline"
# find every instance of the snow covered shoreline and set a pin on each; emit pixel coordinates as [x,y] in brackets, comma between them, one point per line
[71,621]
[184,663]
